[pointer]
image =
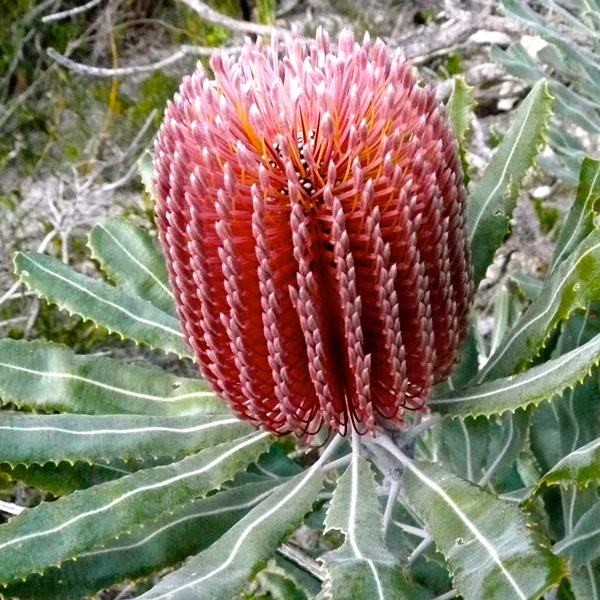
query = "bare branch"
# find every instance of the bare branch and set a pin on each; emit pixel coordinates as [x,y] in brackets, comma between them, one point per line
[71,12]
[212,16]
[421,46]
[184,50]
[10,508]
[301,559]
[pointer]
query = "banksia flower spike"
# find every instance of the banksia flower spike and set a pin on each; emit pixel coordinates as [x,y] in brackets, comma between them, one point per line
[311,209]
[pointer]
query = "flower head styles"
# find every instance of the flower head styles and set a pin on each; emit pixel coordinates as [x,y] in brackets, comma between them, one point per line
[311,209]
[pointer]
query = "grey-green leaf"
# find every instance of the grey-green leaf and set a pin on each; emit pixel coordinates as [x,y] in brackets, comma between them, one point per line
[222,570]
[105,305]
[574,283]
[48,377]
[581,467]
[132,258]
[493,558]
[54,438]
[160,544]
[539,383]
[580,220]
[459,108]
[79,522]
[582,544]
[362,567]
[493,198]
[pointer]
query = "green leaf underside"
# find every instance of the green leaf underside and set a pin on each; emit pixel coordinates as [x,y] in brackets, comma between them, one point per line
[585,582]
[459,109]
[480,447]
[580,220]
[132,318]
[491,552]
[580,467]
[223,569]
[132,258]
[573,284]
[542,382]
[79,522]
[362,567]
[48,376]
[53,438]
[582,544]
[493,199]
[163,543]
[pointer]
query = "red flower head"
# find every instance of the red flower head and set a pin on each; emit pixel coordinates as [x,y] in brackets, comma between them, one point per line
[311,209]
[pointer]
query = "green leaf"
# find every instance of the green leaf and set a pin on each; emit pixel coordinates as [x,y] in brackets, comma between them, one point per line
[362,567]
[585,582]
[493,558]
[493,199]
[518,62]
[501,316]
[66,478]
[580,467]
[459,109]
[54,438]
[529,286]
[163,543]
[77,523]
[146,170]
[105,305]
[578,58]
[573,419]
[222,570]
[580,220]
[48,377]
[582,544]
[539,383]
[132,258]
[574,283]
[484,450]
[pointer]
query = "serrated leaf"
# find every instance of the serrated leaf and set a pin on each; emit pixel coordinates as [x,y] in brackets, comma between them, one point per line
[163,543]
[493,558]
[85,519]
[65,478]
[582,544]
[362,567]
[574,283]
[493,198]
[539,383]
[580,220]
[581,467]
[54,438]
[222,570]
[97,301]
[48,376]
[459,109]
[132,258]
[573,419]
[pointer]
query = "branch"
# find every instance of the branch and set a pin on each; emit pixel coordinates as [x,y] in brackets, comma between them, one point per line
[421,46]
[71,12]
[183,51]
[10,508]
[212,16]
